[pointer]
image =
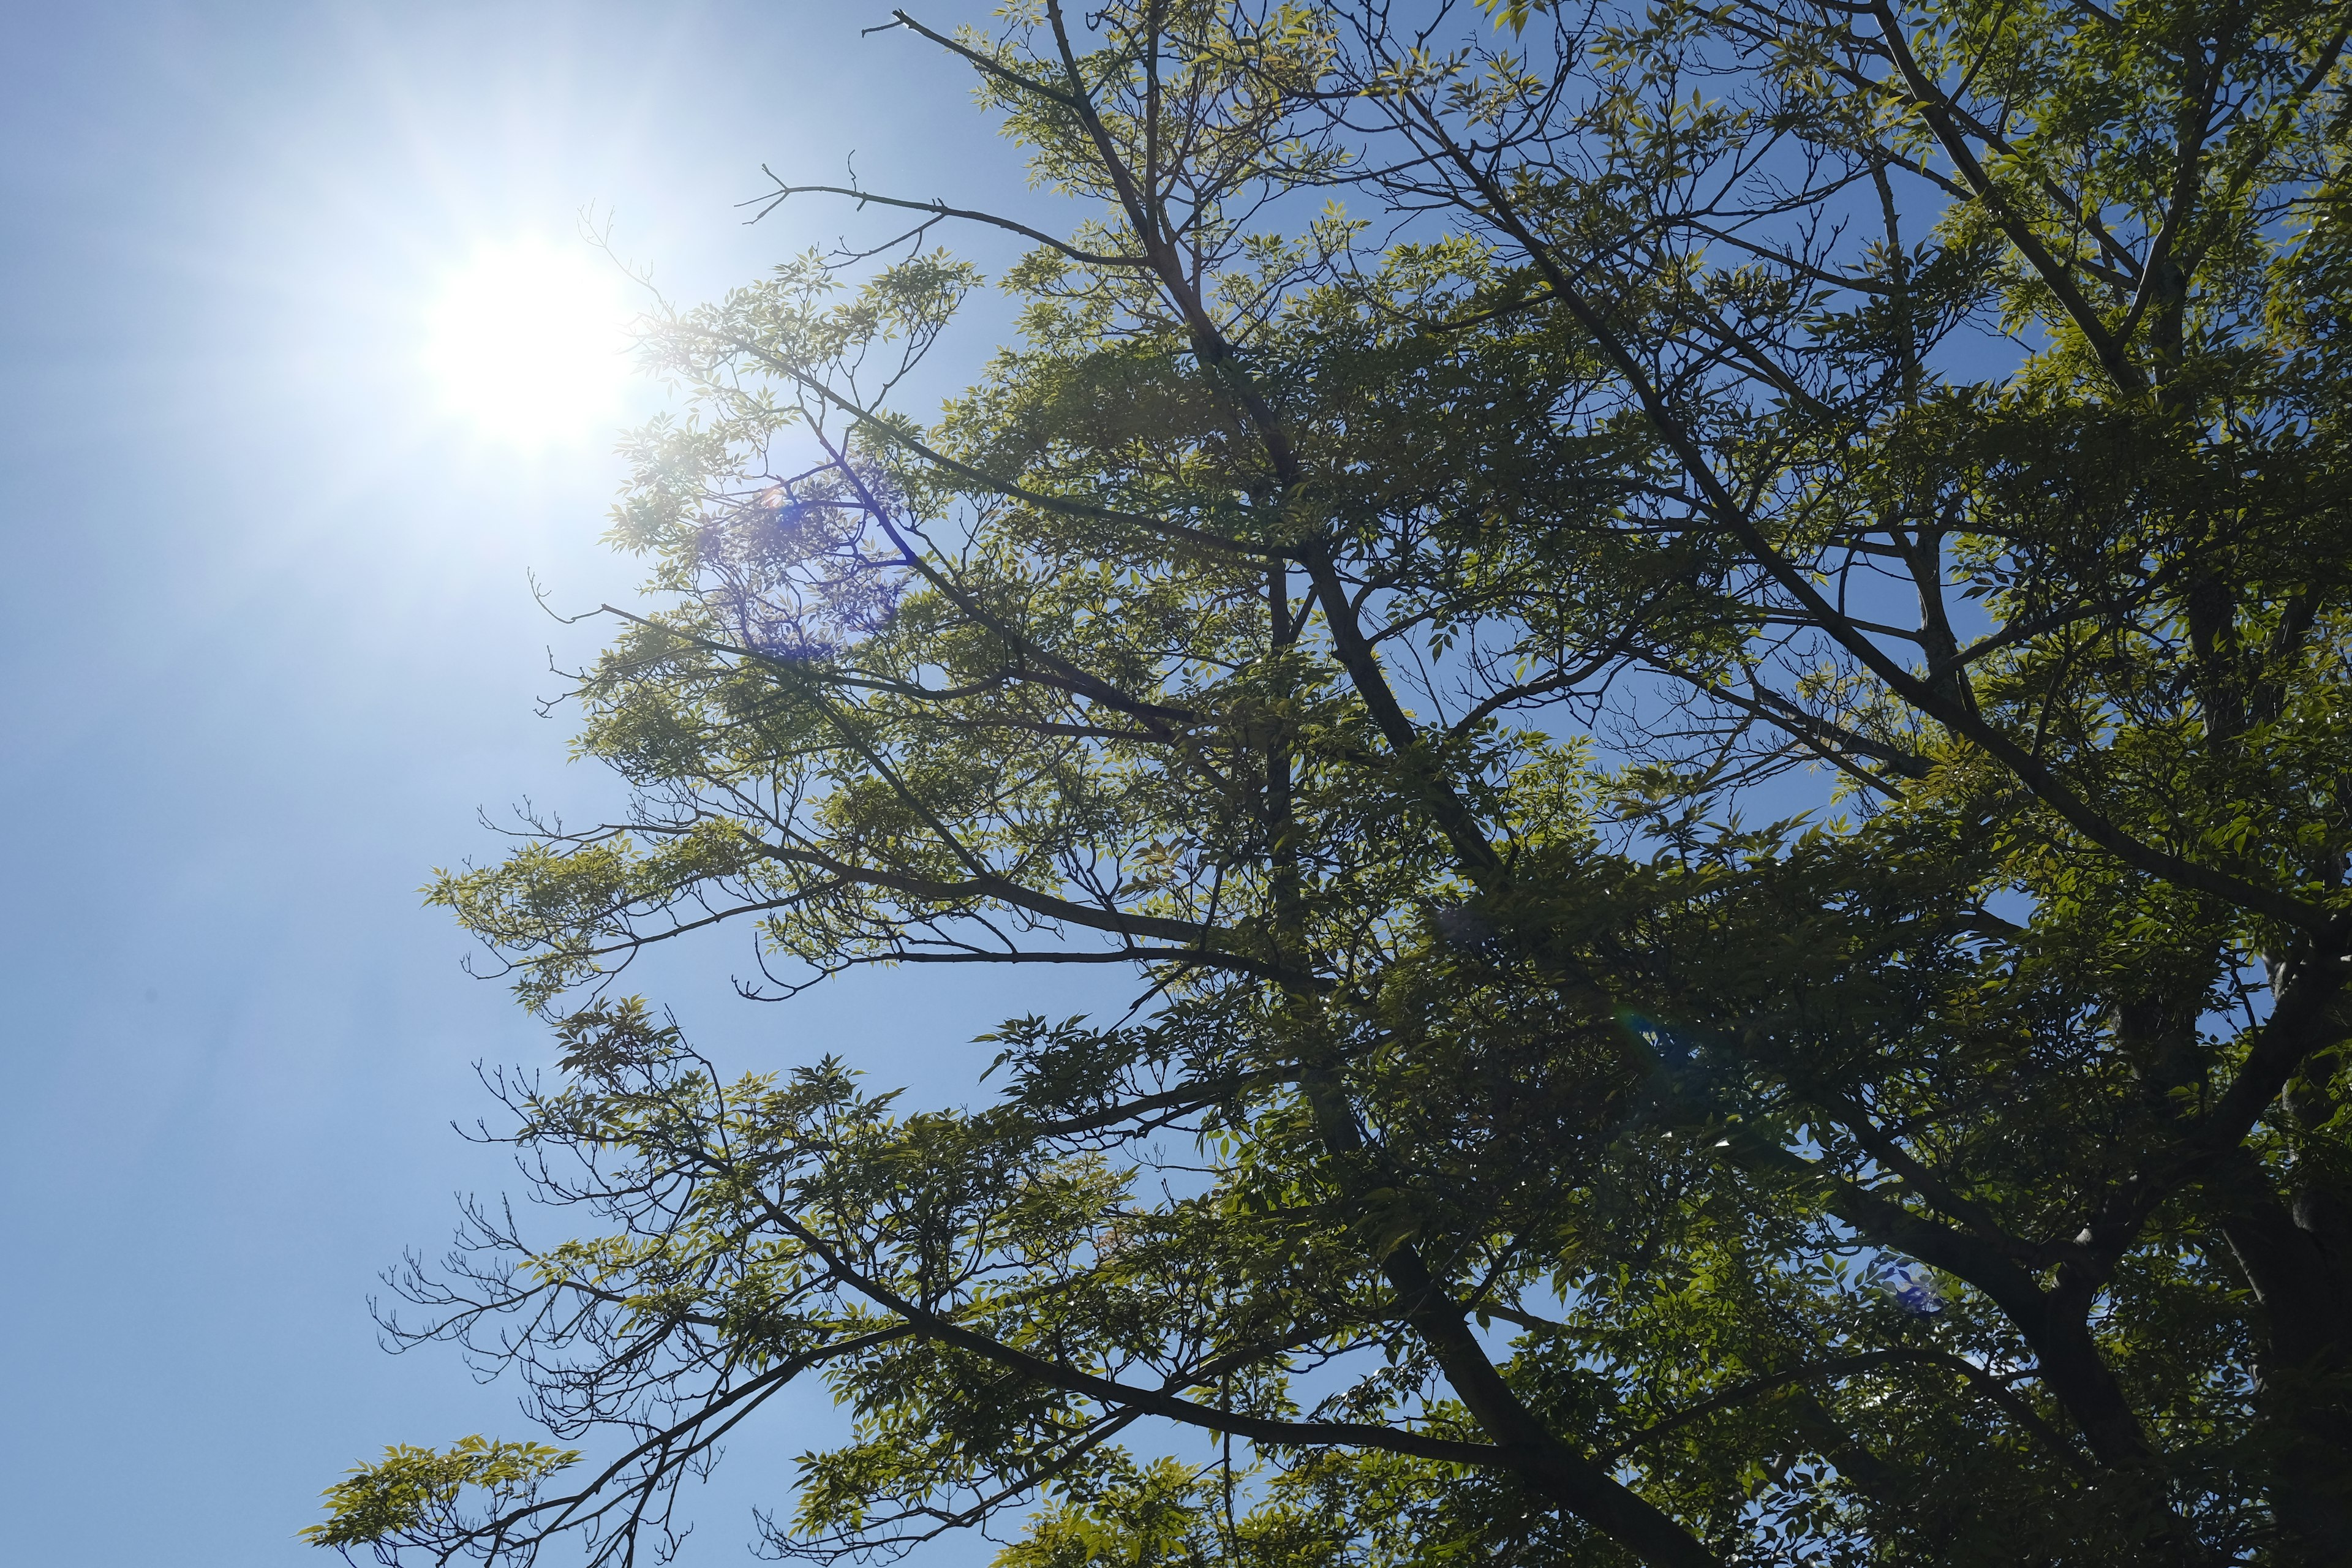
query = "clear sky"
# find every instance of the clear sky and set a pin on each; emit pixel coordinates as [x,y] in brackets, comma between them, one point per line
[267,644]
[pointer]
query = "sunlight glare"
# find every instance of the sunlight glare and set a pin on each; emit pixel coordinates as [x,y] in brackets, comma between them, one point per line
[525,343]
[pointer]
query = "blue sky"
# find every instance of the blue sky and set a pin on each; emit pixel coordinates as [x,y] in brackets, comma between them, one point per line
[268,644]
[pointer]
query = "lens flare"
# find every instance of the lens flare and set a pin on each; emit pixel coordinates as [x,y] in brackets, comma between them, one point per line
[527,343]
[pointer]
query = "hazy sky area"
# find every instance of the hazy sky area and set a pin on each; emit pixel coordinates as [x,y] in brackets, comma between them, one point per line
[268,644]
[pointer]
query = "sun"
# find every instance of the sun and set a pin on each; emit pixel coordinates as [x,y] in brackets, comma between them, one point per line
[527,343]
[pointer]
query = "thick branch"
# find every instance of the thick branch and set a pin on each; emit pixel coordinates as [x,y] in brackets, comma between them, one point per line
[1937,114]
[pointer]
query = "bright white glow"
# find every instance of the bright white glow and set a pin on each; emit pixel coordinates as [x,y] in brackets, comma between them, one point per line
[525,343]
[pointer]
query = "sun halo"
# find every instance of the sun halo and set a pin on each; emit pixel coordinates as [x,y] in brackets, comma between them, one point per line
[525,343]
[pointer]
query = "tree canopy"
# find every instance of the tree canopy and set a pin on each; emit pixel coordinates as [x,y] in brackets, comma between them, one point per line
[1699,653]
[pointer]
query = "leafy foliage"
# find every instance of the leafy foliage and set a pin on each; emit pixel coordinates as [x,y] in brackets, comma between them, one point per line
[412,1494]
[1722,731]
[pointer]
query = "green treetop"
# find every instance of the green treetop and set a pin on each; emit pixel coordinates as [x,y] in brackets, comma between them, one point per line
[1699,651]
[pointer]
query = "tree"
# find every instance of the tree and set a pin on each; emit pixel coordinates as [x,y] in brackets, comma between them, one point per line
[1716,711]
